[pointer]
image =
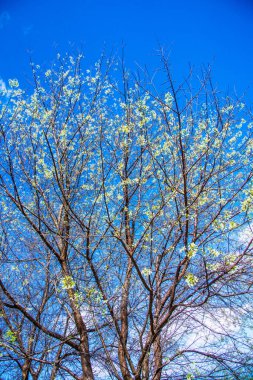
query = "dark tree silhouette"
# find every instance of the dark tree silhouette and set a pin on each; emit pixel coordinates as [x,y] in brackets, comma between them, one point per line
[126,244]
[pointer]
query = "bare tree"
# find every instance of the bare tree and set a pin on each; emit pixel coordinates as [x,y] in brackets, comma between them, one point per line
[126,244]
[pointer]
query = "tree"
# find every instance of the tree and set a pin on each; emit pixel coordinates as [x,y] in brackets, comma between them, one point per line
[126,245]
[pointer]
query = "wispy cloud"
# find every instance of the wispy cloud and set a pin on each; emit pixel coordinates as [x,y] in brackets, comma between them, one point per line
[4,19]
[246,234]
[27,30]
[3,87]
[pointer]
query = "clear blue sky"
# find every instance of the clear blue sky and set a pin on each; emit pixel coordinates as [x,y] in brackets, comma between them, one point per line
[219,32]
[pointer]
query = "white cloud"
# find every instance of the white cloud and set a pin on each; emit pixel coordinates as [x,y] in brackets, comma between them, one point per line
[4,19]
[246,234]
[27,30]
[3,87]
[5,91]
[208,326]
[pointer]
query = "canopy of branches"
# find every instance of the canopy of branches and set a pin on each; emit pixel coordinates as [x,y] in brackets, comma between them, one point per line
[125,224]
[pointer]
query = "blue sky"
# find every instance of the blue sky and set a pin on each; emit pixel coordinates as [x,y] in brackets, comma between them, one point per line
[194,32]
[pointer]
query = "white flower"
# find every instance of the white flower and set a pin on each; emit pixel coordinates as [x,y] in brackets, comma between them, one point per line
[13,83]
[146,271]
[48,73]
[191,279]
[193,248]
